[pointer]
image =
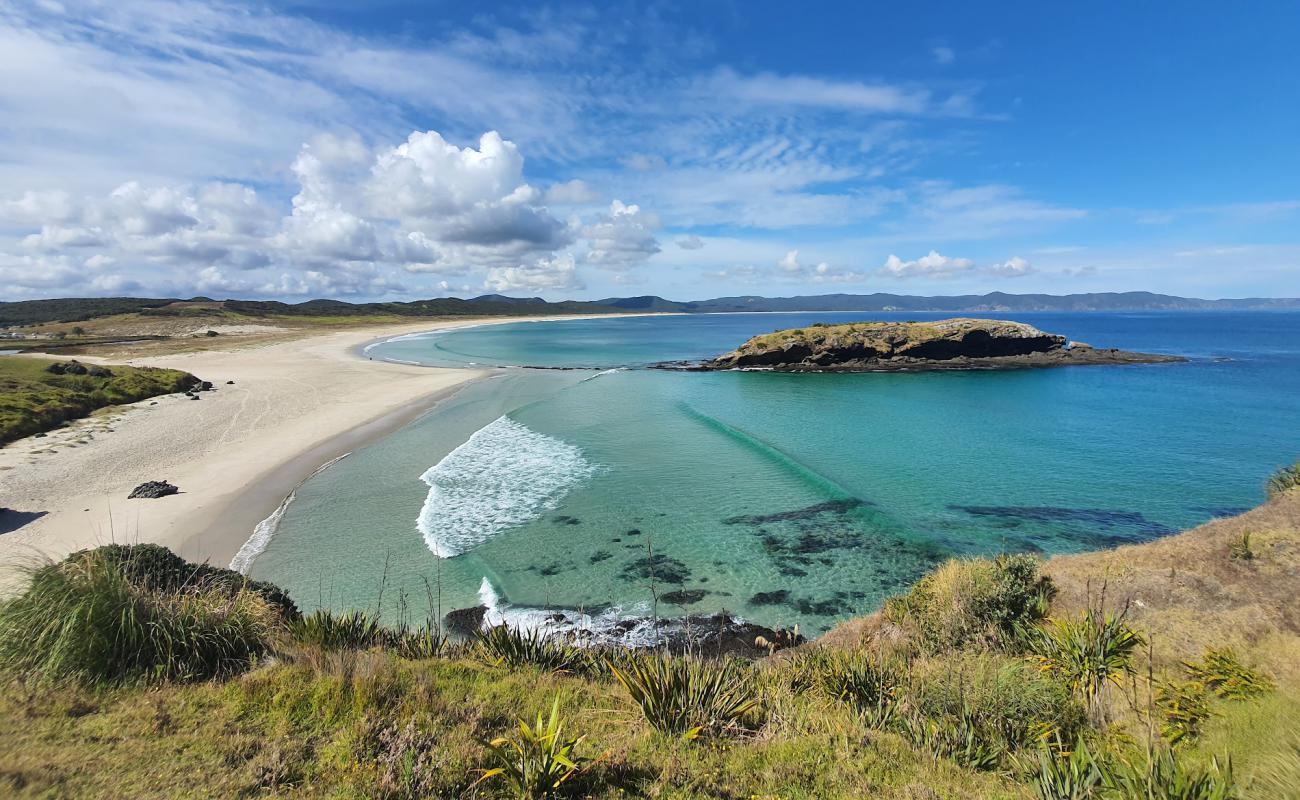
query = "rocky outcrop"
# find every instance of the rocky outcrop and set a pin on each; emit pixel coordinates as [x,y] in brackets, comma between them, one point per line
[914,346]
[152,490]
[75,367]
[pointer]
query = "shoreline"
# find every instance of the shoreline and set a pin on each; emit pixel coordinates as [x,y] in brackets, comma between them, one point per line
[292,406]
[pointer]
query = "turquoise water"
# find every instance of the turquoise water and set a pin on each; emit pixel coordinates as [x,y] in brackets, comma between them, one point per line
[783,498]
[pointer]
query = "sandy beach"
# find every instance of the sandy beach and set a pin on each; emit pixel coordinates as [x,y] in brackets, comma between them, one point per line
[235,453]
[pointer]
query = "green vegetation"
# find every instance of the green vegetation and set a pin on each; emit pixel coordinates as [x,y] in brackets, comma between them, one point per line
[86,620]
[1089,651]
[688,696]
[1284,480]
[538,761]
[33,399]
[973,602]
[132,673]
[504,646]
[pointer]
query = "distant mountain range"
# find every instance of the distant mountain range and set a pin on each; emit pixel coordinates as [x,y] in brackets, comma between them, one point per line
[968,303]
[29,312]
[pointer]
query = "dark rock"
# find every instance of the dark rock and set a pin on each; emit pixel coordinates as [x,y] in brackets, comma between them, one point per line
[38,436]
[723,635]
[230,383]
[465,621]
[205,386]
[600,555]
[194,397]
[152,490]
[74,367]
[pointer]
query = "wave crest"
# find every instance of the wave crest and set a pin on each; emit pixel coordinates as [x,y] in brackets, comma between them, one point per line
[504,475]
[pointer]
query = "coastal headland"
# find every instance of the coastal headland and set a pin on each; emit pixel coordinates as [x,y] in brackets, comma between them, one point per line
[949,344]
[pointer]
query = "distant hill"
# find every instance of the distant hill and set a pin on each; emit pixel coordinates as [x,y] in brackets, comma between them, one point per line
[30,312]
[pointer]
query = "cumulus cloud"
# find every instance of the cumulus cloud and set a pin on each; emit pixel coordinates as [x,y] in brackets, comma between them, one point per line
[1014,267]
[361,217]
[690,242]
[622,238]
[559,272]
[931,265]
[789,266]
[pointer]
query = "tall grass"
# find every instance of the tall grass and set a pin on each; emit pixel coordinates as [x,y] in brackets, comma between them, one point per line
[688,696]
[973,602]
[83,620]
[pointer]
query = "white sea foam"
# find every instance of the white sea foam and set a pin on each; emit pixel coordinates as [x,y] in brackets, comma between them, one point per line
[504,475]
[262,533]
[603,372]
[630,627]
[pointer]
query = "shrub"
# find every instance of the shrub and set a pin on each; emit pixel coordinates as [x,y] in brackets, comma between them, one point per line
[1239,547]
[504,646]
[688,696]
[973,602]
[353,630]
[1162,776]
[1284,480]
[1221,672]
[1088,651]
[154,567]
[1184,708]
[85,620]
[539,760]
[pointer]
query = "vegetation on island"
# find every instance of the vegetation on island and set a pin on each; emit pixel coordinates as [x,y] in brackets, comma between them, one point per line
[129,672]
[38,395]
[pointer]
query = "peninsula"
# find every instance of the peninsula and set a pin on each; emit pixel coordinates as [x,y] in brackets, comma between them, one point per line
[959,343]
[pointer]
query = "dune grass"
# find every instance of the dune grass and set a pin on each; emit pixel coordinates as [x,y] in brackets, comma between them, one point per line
[34,400]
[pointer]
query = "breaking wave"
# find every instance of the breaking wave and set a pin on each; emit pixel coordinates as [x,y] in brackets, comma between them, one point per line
[504,475]
[615,625]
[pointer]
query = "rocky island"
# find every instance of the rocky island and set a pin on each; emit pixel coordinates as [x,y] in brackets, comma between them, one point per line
[916,346]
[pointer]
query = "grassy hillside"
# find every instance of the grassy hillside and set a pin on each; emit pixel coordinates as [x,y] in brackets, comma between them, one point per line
[33,399]
[1163,670]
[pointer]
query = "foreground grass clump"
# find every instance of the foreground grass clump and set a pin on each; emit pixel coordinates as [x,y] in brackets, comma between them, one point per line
[33,399]
[688,696]
[504,646]
[88,619]
[537,761]
[975,602]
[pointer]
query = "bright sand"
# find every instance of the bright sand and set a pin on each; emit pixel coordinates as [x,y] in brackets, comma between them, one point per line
[235,453]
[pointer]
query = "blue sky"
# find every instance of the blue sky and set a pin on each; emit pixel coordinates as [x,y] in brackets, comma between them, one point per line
[398,150]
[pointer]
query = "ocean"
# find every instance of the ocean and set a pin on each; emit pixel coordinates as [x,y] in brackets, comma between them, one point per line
[607,491]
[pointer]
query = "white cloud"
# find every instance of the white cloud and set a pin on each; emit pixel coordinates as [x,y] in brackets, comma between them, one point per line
[727,85]
[1014,267]
[622,238]
[789,262]
[691,242]
[931,265]
[943,55]
[545,274]
[573,193]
